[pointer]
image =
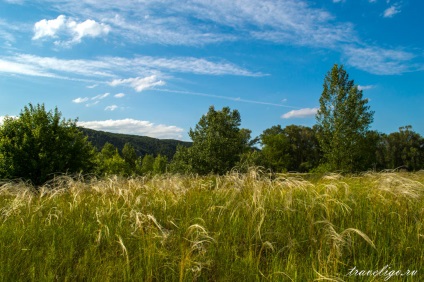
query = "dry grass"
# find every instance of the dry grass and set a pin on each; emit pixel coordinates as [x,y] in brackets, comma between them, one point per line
[252,226]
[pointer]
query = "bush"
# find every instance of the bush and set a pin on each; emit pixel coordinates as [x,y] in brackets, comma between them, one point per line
[38,144]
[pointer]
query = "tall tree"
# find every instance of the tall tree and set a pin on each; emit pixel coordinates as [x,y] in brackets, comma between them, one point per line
[343,120]
[218,142]
[39,143]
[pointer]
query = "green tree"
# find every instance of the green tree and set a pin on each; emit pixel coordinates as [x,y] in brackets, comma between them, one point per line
[147,164]
[130,157]
[109,162]
[38,144]
[404,149]
[294,148]
[343,120]
[218,143]
[275,149]
[181,162]
[159,165]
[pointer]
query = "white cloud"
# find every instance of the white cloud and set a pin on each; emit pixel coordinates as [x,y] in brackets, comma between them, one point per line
[89,28]
[96,99]
[338,1]
[302,113]
[391,11]
[93,68]
[379,60]
[139,83]
[111,108]
[24,69]
[110,67]
[202,66]
[136,127]
[366,87]
[80,100]
[119,95]
[100,97]
[166,22]
[48,28]
[67,27]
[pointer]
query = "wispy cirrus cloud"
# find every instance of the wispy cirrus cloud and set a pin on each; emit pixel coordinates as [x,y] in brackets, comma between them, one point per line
[287,22]
[101,68]
[302,113]
[80,100]
[111,108]
[136,127]
[380,61]
[391,11]
[166,22]
[119,95]
[366,87]
[100,96]
[139,83]
[89,102]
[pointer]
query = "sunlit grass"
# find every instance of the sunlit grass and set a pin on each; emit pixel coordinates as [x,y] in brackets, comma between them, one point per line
[238,227]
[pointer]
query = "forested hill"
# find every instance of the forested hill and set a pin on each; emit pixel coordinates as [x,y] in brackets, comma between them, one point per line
[142,144]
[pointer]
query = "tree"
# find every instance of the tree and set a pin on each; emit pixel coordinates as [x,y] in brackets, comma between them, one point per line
[294,148]
[343,120]
[130,157]
[405,149]
[159,165]
[38,144]
[147,164]
[275,149]
[109,162]
[218,142]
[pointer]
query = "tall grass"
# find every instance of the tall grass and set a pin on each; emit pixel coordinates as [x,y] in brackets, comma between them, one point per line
[238,227]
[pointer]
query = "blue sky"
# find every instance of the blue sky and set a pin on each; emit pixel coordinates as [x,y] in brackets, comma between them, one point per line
[153,67]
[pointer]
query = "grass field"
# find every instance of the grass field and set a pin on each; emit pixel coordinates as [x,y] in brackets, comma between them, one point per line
[238,227]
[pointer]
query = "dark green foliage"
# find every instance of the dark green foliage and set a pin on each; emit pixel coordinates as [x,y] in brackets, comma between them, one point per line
[142,144]
[343,120]
[218,143]
[294,148]
[38,144]
[404,149]
[130,157]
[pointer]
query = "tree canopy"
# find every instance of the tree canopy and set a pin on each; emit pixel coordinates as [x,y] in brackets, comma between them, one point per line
[37,144]
[218,142]
[343,119]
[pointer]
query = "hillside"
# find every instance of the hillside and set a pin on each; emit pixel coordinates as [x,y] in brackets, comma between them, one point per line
[143,145]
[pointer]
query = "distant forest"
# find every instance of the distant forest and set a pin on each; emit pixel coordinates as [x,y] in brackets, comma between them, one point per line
[143,145]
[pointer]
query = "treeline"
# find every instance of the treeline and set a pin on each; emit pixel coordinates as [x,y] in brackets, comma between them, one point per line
[143,145]
[40,144]
[296,148]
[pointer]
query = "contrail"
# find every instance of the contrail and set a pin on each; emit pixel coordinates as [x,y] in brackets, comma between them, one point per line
[224,98]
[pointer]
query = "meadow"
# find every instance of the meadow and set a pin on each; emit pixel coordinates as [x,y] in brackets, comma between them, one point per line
[239,227]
